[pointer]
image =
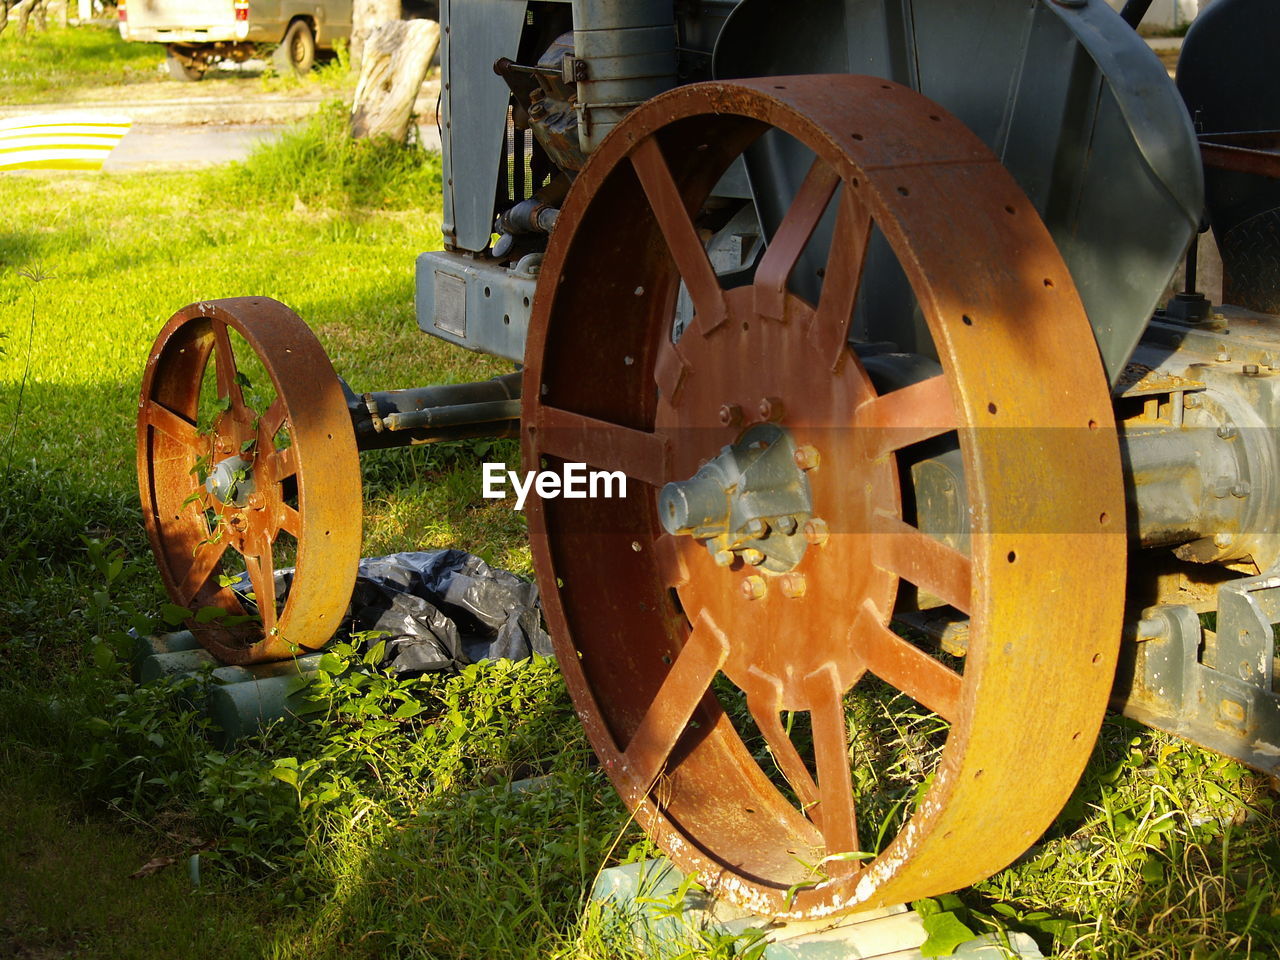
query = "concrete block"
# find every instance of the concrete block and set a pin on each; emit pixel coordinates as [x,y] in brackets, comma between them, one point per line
[240,708]
[644,892]
[172,664]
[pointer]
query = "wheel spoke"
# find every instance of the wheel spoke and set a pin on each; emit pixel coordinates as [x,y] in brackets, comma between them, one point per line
[575,438]
[685,685]
[290,521]
[273,419]
[904,666]
[829,329]
[262,576]
[764,702]
[790,238]
[682,237]
[917,557]
[174,426]
[669,370]
[225,364]
[839,822]
[285,463]
[919,412]
[203,563]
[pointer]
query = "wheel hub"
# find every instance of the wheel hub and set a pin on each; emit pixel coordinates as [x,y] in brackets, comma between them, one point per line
[230,482]
[794,588]
[749,504]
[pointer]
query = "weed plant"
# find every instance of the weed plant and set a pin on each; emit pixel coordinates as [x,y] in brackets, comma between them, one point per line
[446,816]
[319,164]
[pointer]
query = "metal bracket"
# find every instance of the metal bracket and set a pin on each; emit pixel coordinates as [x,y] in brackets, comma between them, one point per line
[1213,687]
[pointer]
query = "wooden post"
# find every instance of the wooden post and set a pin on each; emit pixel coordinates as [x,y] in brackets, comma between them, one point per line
[367,16]
[396,58]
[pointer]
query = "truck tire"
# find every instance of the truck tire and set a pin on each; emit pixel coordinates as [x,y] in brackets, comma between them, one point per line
[297,51]
[183,69]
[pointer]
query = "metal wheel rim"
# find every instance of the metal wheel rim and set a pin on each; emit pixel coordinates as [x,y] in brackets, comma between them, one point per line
[322,457]
[599,342]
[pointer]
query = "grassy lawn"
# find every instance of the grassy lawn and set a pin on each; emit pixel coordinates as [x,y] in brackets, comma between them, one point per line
[91,62]
[41,66]
[352,835]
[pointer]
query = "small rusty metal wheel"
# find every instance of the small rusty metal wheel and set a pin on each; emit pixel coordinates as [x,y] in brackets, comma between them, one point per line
[254,455]
[766,534]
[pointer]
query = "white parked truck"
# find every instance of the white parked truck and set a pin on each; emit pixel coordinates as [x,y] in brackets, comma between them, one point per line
[197,33]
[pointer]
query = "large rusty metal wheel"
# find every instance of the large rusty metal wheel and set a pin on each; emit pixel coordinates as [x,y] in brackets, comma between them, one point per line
[644,622]
[253,455]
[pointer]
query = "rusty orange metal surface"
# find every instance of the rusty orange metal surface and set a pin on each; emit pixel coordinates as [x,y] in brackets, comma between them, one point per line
[644,622]
[301,453]
[1257,153]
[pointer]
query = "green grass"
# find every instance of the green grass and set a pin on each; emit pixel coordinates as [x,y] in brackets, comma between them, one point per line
[42,66]
[382,826]
[320,164]
[68,892]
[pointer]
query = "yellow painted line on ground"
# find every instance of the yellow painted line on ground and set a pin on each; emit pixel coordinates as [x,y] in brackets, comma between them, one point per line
[76,140]
[51,143]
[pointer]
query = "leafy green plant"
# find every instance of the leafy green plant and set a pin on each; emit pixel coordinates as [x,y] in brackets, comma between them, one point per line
[944,923]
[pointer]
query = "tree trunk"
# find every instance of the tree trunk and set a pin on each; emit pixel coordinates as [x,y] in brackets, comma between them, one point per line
[367,16]
[4,15]
[23,12]
[396,58]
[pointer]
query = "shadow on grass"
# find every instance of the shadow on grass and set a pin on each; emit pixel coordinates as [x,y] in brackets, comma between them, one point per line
[484,872]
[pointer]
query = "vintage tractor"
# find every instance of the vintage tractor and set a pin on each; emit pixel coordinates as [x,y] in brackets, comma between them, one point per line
[868,301]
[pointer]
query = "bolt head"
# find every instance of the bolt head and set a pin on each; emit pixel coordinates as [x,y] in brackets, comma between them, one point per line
[1223,540]
[786,525]
[807,457]
[1240,490]
[770,408]
[754,588]
[1191,400]
[724,558]
[753,556]
[756,529]
[793,585]
[816,531]
[730,415]
[1250,369]
[1227,431]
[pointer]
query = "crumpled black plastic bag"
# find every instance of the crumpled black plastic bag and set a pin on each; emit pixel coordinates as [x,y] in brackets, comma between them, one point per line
[443,609]
[438,610]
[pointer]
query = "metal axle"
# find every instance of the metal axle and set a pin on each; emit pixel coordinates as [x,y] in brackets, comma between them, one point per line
[455,411]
